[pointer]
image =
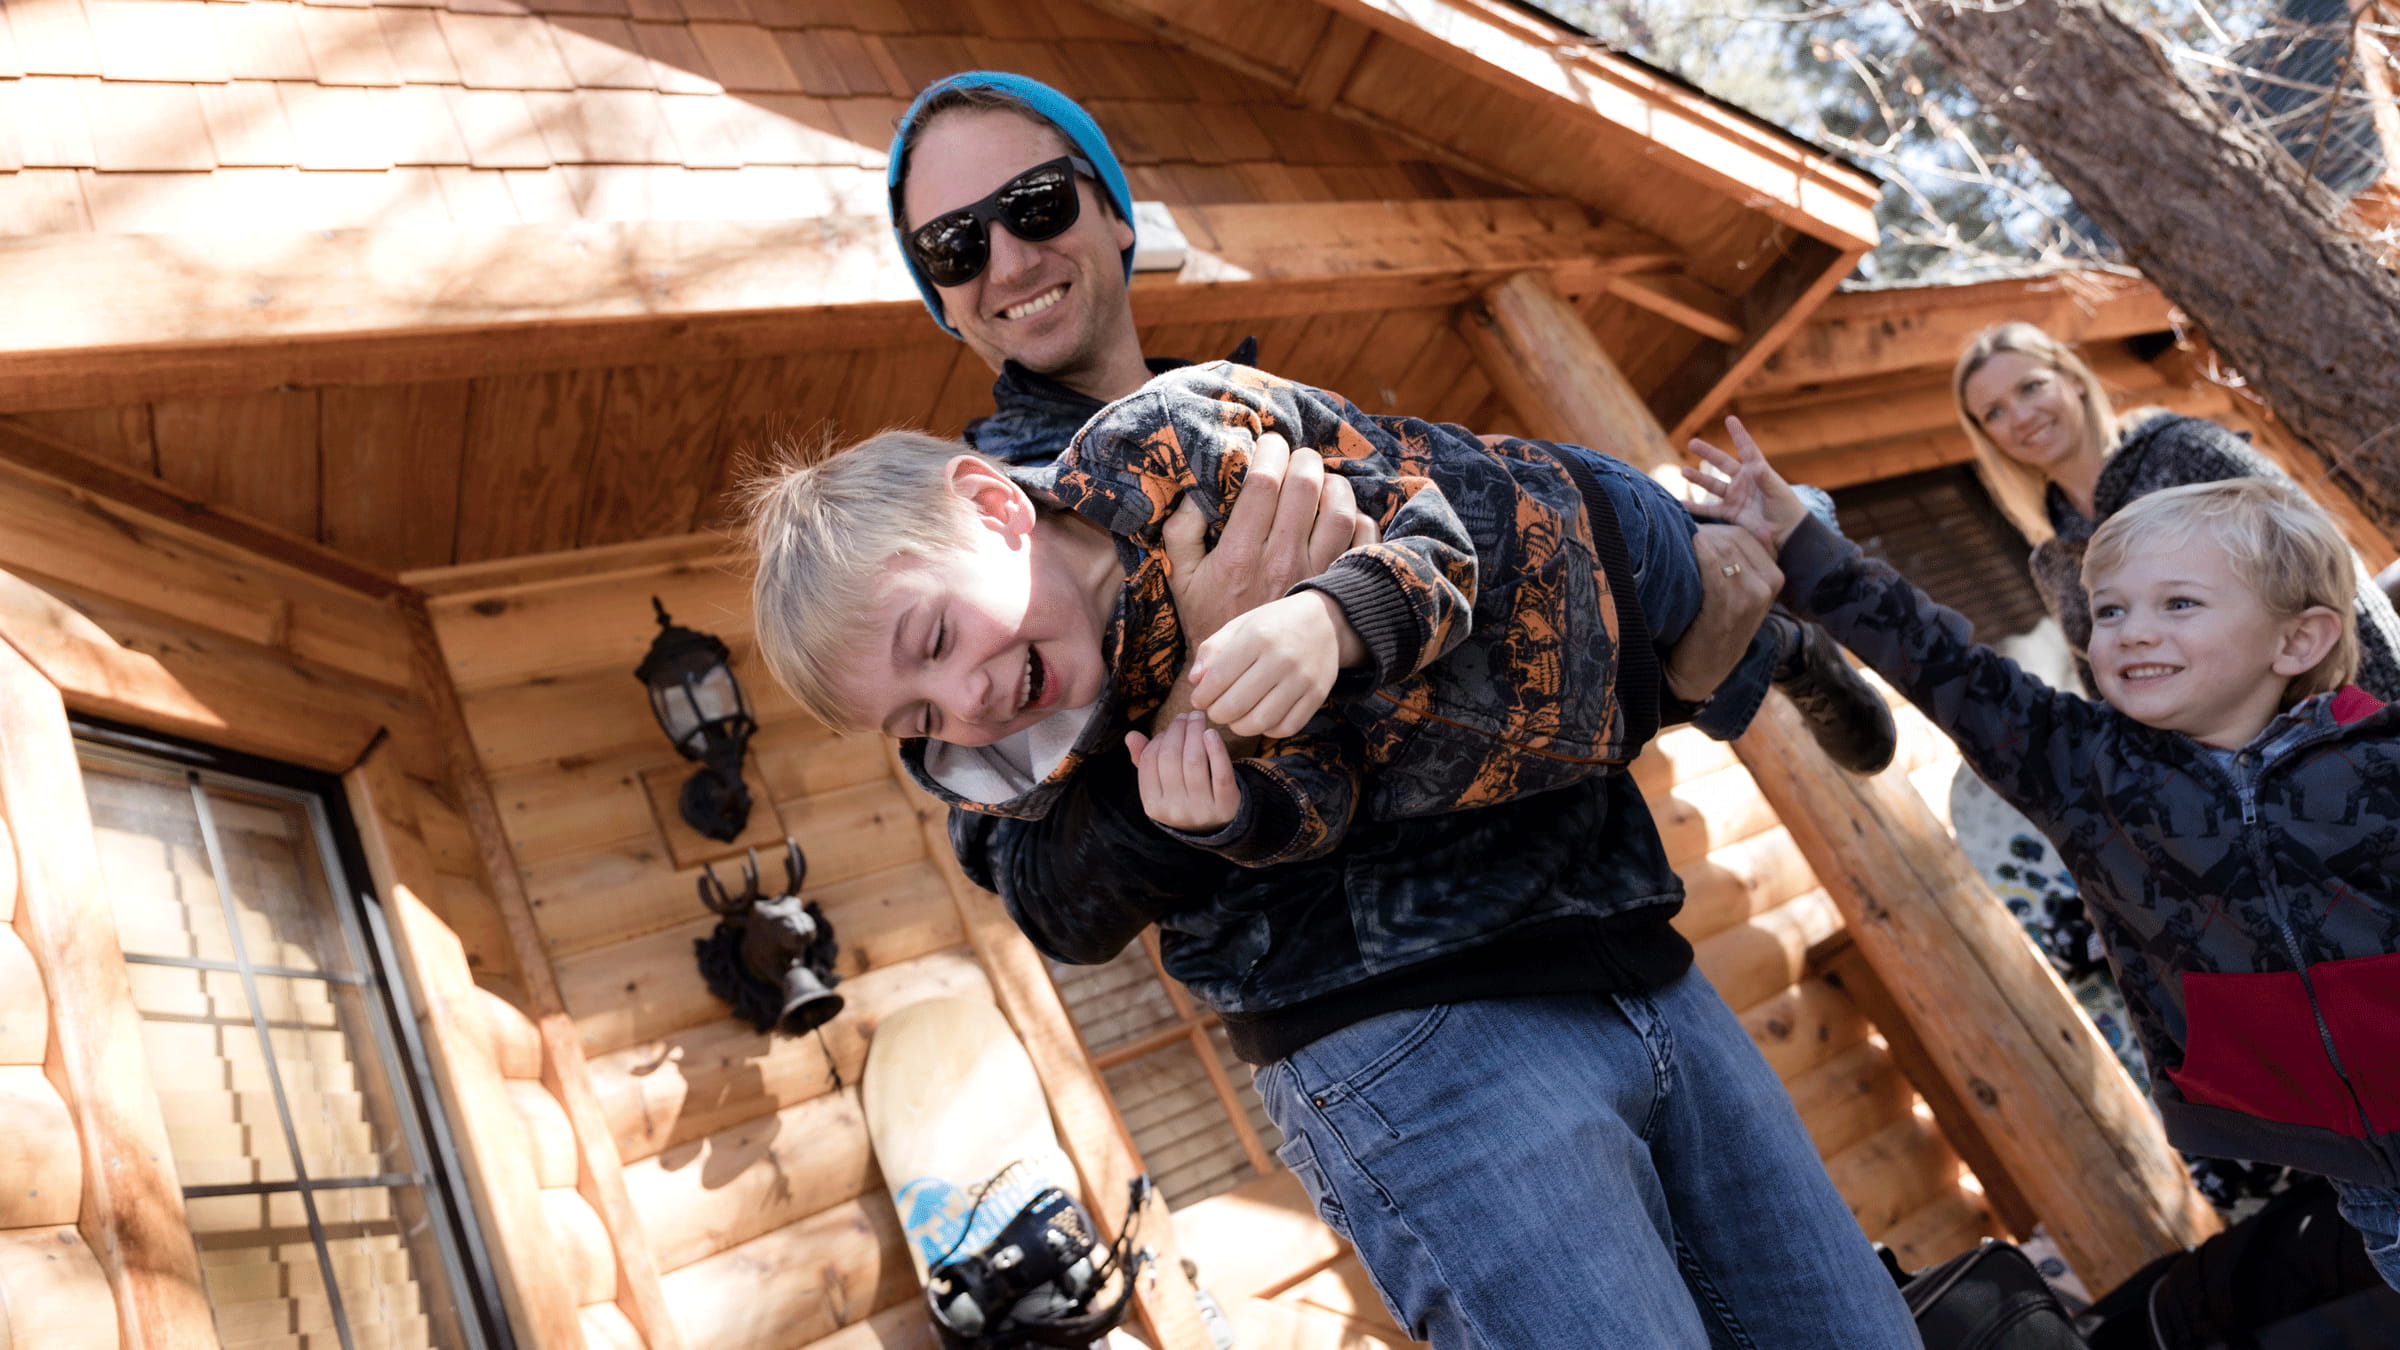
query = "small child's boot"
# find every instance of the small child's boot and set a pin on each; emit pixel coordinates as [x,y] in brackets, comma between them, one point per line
[1847,718]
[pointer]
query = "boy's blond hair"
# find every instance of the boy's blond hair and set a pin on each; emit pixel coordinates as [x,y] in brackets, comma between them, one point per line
[2281,545]
[2020,490]
[823,527]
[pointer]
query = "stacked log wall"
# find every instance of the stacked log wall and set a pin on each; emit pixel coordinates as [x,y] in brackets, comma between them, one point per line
[52,1287]
[136,618]
[745,1156]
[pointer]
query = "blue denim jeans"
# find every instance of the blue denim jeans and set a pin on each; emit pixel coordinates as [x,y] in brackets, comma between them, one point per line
[2375,1212]
[1666,580]
[1576,1171]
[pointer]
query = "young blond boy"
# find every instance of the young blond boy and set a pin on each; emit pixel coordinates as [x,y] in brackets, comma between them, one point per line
[1016,621]
[2231,812]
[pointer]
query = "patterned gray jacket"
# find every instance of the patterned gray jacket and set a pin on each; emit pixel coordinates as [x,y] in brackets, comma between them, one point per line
[2250,902]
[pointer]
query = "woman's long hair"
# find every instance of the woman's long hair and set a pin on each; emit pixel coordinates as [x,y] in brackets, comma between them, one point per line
[2019,489]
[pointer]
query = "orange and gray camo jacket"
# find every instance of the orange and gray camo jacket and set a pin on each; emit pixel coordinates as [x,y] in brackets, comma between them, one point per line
[1491,626]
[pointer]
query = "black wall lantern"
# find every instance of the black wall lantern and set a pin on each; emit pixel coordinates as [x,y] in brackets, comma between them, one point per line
[700,706]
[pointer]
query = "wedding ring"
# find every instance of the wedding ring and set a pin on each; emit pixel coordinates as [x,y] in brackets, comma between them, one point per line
[1731,569]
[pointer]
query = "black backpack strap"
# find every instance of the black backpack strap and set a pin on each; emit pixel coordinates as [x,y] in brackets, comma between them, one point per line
[1638,680]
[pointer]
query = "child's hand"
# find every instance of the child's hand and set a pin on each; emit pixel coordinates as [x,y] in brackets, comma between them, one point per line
[1186,776]
[1267,671]
[1746,490]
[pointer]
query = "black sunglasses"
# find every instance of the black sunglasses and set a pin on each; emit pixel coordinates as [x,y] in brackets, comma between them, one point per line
[1040,203]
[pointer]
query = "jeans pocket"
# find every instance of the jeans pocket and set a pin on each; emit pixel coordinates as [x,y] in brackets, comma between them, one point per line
[1296,1154]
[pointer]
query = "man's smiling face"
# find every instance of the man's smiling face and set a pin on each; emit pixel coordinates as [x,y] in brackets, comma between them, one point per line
[1058,306]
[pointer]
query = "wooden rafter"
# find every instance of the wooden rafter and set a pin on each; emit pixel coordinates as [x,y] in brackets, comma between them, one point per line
[1878,332]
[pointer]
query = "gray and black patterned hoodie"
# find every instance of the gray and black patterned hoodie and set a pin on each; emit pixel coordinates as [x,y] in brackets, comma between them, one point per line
[2250,899]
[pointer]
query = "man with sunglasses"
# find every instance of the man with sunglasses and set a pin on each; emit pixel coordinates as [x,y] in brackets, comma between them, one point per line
[1491,1063]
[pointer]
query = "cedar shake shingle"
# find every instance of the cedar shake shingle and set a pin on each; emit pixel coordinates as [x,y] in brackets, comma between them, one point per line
[703,132]
[261,41]
[156,203]
[675,59]
[541,196]
[42,201]
[600,53]
[347,46]
[744,57]
[664,11]
[245,120]
[868,124]
[52,131]
[610,9]
[498,129]
[920,60]
[830,64]
[603,126]
[504,52]
[10,67]
[138,127]
[414,38]
[53,37]
[477,198]
[787,129]
[10,116]
[717,11]
[155,40]
[337,127]
[422,131]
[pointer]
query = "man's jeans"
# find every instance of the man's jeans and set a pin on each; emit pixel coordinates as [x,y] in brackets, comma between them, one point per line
[2375,1212]
[1578,1171]
[1666,580]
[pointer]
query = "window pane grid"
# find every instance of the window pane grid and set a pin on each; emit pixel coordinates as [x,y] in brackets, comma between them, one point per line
[278,1071]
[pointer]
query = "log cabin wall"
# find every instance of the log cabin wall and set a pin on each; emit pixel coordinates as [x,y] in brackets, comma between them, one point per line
[746,1157]
[299,656]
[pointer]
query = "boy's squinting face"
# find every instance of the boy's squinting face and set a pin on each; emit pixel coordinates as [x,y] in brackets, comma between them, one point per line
[976,644]
[2182,643]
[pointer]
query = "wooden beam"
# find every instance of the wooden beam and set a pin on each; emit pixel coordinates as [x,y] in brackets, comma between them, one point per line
[1334,55]
[1772,311]
[1705,311]
[2069,1125]
[88,473]
[119,662]
[600,1173]
[132,1213]
[96,320]
[1847,969]
[1878,332]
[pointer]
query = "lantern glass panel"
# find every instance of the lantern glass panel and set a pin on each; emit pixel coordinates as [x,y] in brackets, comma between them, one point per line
[718,696]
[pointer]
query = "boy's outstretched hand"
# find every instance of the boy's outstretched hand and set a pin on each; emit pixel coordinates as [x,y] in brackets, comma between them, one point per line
[1186,776]
[1267,671]
[1744,490]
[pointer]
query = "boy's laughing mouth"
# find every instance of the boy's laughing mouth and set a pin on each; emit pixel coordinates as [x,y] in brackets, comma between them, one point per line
[1035,683]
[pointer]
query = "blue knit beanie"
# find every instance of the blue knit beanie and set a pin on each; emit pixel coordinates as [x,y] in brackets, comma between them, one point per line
[1061,112]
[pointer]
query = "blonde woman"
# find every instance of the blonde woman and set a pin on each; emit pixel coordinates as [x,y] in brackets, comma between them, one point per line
[2059,461]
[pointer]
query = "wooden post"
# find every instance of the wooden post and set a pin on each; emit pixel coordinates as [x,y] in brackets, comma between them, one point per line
[131,1215]
[601,1171]
[2070,1128]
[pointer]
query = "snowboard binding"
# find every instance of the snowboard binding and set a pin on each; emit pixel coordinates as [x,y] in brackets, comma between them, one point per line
[1040,1281]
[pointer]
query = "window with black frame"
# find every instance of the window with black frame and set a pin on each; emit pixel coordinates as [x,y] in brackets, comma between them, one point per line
[305,1132]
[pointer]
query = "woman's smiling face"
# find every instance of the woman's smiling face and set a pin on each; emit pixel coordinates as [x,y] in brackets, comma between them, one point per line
[2031,410]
